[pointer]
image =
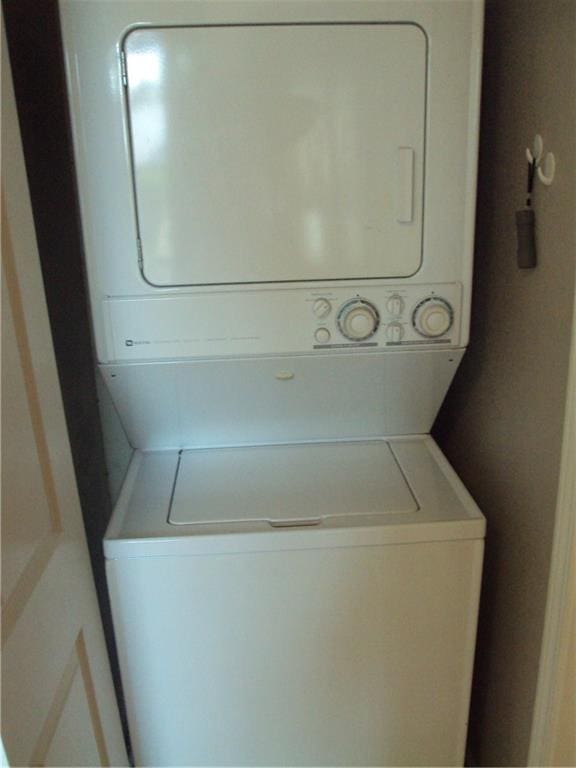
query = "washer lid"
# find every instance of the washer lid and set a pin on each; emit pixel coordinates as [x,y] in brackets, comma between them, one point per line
[288,484]
[277,152]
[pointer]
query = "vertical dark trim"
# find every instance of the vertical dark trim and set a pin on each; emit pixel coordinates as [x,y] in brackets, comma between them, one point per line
[35,47]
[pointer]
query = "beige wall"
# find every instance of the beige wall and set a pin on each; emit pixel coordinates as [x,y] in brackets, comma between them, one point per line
[564,737]
[501,425]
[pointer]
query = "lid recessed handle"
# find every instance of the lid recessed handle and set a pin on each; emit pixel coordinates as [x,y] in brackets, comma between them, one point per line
[296,522]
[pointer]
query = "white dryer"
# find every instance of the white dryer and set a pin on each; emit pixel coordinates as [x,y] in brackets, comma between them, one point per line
[278,206]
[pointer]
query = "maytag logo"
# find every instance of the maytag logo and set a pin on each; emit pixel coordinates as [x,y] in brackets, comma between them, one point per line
[129,343]
[132,343]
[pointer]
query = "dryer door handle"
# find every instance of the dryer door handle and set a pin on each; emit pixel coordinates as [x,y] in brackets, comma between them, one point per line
[405,185]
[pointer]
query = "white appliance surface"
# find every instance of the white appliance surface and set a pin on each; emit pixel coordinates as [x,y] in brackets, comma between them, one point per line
[225,148]
[278,205]
[279,483]
[234,130]
[434,503]
[347,642]
[196,403]
[285,321]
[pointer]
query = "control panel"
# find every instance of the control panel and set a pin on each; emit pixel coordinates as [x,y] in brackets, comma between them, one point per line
[284,321]
[394,316]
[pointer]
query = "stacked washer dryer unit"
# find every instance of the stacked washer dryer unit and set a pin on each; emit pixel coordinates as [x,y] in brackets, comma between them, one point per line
[278,208]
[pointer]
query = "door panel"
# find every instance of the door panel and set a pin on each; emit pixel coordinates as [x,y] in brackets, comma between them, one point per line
[58,703]
[72,707]
[30,521]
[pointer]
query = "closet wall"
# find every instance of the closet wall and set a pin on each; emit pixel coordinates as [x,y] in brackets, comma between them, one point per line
[501,425]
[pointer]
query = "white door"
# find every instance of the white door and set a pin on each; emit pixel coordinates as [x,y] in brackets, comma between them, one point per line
[280,152]
[58,703]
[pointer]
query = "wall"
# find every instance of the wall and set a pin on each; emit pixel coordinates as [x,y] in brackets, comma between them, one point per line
[501,424]
[564,741]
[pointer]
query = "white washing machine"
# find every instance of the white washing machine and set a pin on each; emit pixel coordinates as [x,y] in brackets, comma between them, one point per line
[278,206]
[309,604]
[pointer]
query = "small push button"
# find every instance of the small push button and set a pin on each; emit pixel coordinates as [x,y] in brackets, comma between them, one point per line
[395,305]
[322,335]
[395,333]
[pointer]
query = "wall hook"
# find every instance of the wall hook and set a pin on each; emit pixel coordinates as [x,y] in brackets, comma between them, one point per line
[547,169]
[535,154]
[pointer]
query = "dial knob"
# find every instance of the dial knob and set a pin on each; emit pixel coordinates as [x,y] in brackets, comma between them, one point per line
[433,317]
[358,320]
[321,308]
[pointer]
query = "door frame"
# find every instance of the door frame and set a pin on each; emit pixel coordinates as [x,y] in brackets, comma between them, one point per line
[561,601]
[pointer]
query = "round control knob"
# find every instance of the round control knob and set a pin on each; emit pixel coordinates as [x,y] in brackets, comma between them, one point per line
[322,335]
[321,308]
[433,317]
[394,332]
[395,305]
[358,320]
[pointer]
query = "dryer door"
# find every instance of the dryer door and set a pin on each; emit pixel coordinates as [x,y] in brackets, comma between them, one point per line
[273,153]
